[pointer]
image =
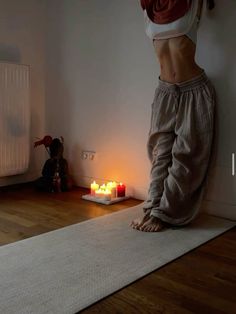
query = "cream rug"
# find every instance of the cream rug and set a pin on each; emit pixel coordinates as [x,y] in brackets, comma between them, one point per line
[66,270]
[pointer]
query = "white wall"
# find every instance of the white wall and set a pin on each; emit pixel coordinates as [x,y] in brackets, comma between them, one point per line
[216,53]
[100,85]
[22,40]
[101,76]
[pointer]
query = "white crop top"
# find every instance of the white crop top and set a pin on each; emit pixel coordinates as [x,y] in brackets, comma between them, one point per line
[186,25]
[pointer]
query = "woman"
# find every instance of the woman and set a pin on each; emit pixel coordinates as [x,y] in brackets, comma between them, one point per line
[182,124]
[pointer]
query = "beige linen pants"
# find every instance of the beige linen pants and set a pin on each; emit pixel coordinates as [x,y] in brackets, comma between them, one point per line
[179,148]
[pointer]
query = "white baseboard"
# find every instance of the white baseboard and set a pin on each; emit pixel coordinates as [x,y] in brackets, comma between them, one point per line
[221,186]
[219,209]
[17,179]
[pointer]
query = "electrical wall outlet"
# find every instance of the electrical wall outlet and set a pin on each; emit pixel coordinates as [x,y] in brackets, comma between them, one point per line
[88,155]
[84,155]
[91,155]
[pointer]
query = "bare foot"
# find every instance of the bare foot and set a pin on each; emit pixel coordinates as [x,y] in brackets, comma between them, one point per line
[153,224]
[140,221]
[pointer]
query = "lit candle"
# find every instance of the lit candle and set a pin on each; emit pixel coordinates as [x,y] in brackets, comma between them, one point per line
[103,187]
[99,193]
[109,185]
[120,190]
[107,195]
[93,187]
[112,187]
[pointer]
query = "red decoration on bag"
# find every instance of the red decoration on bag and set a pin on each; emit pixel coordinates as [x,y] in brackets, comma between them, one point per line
[46,141]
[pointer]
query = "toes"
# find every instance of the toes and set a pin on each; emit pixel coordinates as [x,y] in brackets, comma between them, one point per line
[148,228]
[157,228]
[143,226]
[132,223]
[140,226]
[136,226]
[153,228]
[137,223]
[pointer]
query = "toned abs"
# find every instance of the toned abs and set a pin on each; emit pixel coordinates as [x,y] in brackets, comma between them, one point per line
[177,59]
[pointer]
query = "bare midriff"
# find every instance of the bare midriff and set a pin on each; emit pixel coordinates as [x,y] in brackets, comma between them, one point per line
[176,57]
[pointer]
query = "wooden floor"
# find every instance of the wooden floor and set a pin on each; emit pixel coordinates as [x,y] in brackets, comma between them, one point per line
[201,281]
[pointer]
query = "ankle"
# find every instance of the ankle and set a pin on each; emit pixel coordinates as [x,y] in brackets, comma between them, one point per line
[147,211]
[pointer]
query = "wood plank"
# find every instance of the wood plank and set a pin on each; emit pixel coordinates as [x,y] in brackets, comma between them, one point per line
[201,281]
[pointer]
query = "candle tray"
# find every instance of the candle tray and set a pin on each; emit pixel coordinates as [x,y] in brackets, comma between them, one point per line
[92,198]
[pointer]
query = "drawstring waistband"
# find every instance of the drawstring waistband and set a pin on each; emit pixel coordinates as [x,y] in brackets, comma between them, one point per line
[183,86]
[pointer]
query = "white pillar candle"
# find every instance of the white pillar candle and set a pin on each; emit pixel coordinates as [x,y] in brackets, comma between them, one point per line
[107,195]
[93,187]
[103,187]
[112,187]
[99,193]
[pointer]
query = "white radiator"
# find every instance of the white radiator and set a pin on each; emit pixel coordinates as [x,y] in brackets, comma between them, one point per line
[14,119]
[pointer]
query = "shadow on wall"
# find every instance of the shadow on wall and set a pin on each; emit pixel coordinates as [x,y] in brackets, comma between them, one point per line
[10,53]
[216,51]
[57,85]
[220,62]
